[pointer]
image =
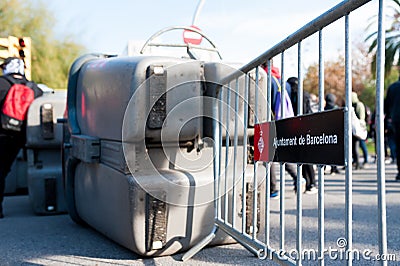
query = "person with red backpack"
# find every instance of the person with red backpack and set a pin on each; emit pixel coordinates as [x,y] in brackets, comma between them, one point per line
[16,94]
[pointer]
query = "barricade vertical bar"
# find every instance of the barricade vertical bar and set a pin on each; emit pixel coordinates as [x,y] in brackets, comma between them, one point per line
[380,133]
[220,120]
[299,112]
[282,206]
[267,204]
[268,165]
[282,165]
[227,139]
[348,144]
[299,215]
[300,84]
[269,96]
[217,154]
[216,171]
[321,72]
[321,180]
[245,122]
[255,183]
[256,121]
[283,83]
[299,222]
[299,211]
[235,144]
[321,215]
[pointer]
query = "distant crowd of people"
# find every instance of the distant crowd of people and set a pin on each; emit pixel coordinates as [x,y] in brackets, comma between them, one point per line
[363,113]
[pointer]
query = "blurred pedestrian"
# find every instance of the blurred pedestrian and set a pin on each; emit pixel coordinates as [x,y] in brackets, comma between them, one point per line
[359,109]
[363,143]
[275,88]
[11,141]
[392,112]
[390,139]
[330,103]
[314,102]
[307,169]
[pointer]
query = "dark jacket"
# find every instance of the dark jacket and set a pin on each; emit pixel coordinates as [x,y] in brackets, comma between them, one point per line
[330,101]
[293,81]
[392,102]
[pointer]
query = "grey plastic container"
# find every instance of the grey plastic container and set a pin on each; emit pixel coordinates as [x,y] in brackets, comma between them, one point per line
[137,172]
[16,180]
[44,140]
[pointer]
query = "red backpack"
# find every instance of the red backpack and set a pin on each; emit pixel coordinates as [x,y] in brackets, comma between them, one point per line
[16,104]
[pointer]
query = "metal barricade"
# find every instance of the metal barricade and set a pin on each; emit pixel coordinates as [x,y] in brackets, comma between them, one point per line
[226,142]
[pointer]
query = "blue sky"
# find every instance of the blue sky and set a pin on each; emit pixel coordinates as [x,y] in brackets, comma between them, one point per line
[241,29]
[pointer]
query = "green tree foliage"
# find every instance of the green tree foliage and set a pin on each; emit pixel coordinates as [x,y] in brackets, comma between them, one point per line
[51,57]
[335,76]
[368,95]
[392,39]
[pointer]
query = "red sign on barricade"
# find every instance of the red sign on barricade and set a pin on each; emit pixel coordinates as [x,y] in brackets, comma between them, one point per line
[262,147]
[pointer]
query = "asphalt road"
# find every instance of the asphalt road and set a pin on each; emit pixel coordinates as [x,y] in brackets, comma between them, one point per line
[28,239]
